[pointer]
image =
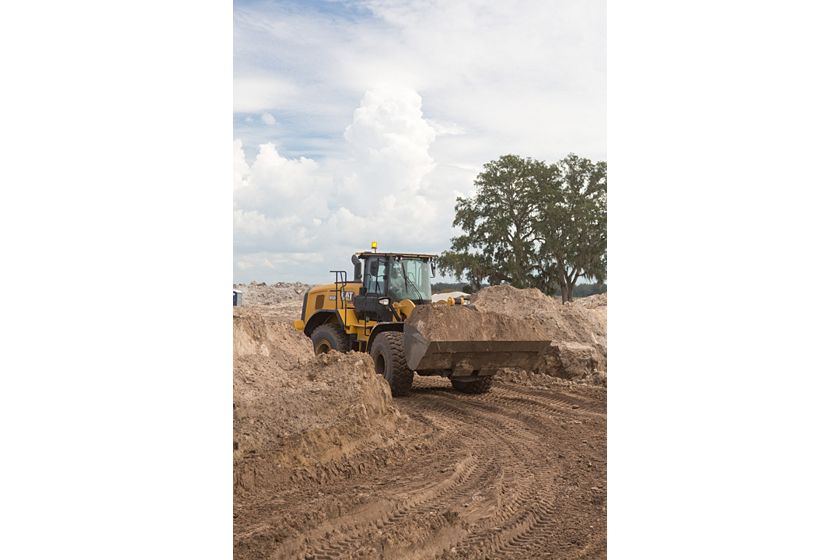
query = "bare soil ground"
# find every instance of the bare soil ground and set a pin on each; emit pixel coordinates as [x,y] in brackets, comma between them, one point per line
[328,465]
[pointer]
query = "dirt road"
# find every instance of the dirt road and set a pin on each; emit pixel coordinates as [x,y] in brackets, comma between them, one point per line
[519,472]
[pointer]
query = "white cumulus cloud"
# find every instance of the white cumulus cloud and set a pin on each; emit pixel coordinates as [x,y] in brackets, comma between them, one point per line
[377,190]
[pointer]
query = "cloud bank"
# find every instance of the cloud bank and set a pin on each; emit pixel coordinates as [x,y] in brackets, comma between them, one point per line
[291,213]
[363,121]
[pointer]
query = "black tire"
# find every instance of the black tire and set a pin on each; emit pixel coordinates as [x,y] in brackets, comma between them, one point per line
[473,386]
[389,361]
[330,336]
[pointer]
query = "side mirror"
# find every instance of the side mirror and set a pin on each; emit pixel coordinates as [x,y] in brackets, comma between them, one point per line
[433,269]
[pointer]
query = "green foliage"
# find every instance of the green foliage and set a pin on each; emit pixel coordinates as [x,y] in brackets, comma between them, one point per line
[441,287]
[585,290]
[573,222]
[581,290]
[473,268]
[532,224]
[499,224]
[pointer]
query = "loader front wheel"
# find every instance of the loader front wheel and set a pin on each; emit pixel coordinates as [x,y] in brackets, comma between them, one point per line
[389,361]
[474,386]
[330,336]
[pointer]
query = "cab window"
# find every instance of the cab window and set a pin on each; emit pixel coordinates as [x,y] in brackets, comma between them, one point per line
[375,275]
[409,279]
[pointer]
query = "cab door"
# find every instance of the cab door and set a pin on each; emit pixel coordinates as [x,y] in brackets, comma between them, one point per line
[375,268]
[374,288]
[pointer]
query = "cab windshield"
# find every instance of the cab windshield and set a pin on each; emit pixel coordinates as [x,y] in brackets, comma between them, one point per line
[410,279]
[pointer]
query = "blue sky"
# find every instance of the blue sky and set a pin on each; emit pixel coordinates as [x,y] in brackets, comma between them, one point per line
[356,121]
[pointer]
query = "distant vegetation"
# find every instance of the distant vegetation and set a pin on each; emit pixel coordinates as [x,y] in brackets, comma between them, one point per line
[533,225]
[580,290]
[584,290]
[439,287]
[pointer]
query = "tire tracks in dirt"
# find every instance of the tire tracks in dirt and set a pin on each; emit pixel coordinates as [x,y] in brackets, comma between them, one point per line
[511,473]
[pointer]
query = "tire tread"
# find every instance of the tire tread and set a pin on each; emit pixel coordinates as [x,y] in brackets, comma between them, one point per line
[480,385]
[338,335]
[402,377]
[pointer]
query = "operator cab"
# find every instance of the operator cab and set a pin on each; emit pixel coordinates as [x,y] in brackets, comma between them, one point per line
[388,278]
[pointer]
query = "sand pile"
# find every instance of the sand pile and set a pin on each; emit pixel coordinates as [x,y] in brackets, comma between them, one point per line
[458,322]
[280,301]
[578,330]
[270,340]
[260,293]
[294,410]
[465,340]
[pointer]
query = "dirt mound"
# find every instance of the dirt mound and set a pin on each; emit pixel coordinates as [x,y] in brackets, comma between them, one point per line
[260,293]
[578,329]
[280,301]
[294,410]
[258,334]
[458,322]
[592,302]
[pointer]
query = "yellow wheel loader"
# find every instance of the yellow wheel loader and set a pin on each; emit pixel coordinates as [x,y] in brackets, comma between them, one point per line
[369,314]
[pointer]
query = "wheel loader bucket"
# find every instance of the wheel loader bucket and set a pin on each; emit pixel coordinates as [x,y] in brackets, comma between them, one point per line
[466,341]
[471,355]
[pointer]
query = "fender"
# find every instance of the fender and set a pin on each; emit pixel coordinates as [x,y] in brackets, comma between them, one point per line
[319,318]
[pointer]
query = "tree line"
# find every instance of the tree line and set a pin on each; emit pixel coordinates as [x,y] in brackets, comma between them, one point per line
[532,224]
[580,290]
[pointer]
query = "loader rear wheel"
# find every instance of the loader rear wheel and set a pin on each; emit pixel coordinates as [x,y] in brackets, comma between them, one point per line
[474,386]
[330,336]
[389,361]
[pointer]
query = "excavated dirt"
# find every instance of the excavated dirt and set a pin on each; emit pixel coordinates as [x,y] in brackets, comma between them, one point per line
[328,465]
[260,293]
[578,329]
[459,322]
[294,410]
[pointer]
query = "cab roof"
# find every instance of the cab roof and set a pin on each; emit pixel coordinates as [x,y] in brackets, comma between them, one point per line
[365,254]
